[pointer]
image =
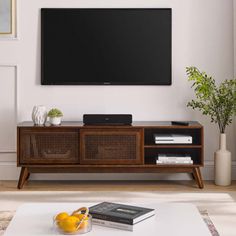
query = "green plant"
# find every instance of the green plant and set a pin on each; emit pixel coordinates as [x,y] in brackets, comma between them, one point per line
[219,102]
[54,112]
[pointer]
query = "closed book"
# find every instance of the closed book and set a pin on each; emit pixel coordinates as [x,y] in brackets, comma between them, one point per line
[174,162]
[173,157]
[120,213]
[112,224]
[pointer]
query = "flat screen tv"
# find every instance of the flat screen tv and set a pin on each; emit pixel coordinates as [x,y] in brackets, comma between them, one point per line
[123,46]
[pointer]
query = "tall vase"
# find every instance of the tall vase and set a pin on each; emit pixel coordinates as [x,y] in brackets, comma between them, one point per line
[39,115]
[222,163]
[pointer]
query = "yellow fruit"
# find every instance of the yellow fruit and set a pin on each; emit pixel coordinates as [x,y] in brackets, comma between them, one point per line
[69,224]
[84,225]
[61,216]
[80,217]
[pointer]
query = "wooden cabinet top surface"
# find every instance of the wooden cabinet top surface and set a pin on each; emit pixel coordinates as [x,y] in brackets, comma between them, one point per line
[135,124]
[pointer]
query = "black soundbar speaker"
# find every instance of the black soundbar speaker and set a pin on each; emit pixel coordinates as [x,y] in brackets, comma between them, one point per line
[107,119]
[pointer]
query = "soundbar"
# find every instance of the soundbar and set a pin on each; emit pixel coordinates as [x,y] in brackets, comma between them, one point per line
[107,119]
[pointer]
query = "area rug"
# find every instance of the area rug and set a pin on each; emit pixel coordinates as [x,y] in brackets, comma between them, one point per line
[5,218]
[209,223]
[221,207]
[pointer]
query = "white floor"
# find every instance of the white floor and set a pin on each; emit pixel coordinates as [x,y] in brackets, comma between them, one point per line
[220,206]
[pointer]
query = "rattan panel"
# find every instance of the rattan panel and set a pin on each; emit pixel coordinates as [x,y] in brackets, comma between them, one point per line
[53,146]
[109,147]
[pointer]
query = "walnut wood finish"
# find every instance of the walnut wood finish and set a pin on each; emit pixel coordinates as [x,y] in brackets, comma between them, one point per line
[198,177]
[68,149]
[24,176]
[111,146]
[48,146]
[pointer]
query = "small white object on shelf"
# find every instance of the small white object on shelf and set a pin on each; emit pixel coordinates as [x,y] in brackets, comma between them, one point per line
[39,115]
[55,116]
[55,120]
[174,162]
[173,159]
[172,139]
[174,156]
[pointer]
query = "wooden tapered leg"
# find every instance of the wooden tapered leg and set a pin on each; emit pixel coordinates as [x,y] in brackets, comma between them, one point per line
[24,175]
[27,177]
[198,177]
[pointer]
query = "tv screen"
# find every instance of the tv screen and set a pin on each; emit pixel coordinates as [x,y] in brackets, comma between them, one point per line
[105,46]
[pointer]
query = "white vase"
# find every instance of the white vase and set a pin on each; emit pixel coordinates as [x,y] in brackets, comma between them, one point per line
[39,115]
[222,163]
[55,120]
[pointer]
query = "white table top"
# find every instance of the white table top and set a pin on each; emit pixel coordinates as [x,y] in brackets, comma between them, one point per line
[171,219]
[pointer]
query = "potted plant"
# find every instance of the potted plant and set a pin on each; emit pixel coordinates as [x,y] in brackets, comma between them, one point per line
[55,116]
[218,102]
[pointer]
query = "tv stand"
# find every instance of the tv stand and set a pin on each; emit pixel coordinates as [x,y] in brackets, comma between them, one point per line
[75,148]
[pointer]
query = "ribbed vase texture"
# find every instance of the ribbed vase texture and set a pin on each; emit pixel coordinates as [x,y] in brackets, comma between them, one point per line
[222,163]
[39,115]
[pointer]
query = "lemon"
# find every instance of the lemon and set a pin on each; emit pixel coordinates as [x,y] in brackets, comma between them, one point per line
[61,216]
[84,224]
[69,224]
[80,216]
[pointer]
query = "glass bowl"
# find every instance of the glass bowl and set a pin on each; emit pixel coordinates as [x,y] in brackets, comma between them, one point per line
[83,228]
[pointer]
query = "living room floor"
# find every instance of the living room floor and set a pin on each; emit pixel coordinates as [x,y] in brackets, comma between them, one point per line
[178,186]
[218,202]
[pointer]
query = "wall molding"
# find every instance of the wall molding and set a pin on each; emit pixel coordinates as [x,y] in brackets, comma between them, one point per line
[9,171]
[15,101]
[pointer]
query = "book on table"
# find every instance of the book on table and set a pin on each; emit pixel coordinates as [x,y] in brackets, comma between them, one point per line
[119,216]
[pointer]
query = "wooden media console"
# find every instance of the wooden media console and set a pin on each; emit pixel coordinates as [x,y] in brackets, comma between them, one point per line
[76,148]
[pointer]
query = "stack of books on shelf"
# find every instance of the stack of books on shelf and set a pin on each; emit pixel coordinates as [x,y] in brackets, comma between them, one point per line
[174,159]
[119,216]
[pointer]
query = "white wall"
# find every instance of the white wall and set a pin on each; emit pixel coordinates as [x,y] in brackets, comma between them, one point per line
[234,26]
[234,65]
[202,36]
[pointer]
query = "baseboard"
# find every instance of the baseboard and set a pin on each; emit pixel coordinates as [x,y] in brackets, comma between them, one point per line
[9,171]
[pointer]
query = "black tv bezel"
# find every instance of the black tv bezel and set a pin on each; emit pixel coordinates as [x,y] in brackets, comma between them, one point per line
[44,82]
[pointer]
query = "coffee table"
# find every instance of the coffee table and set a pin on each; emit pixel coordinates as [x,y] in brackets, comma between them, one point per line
[171,219]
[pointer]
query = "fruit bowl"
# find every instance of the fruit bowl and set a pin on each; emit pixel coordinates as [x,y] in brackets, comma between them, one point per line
[79,222]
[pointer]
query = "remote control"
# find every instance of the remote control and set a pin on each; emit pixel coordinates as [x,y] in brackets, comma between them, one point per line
[179,123]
